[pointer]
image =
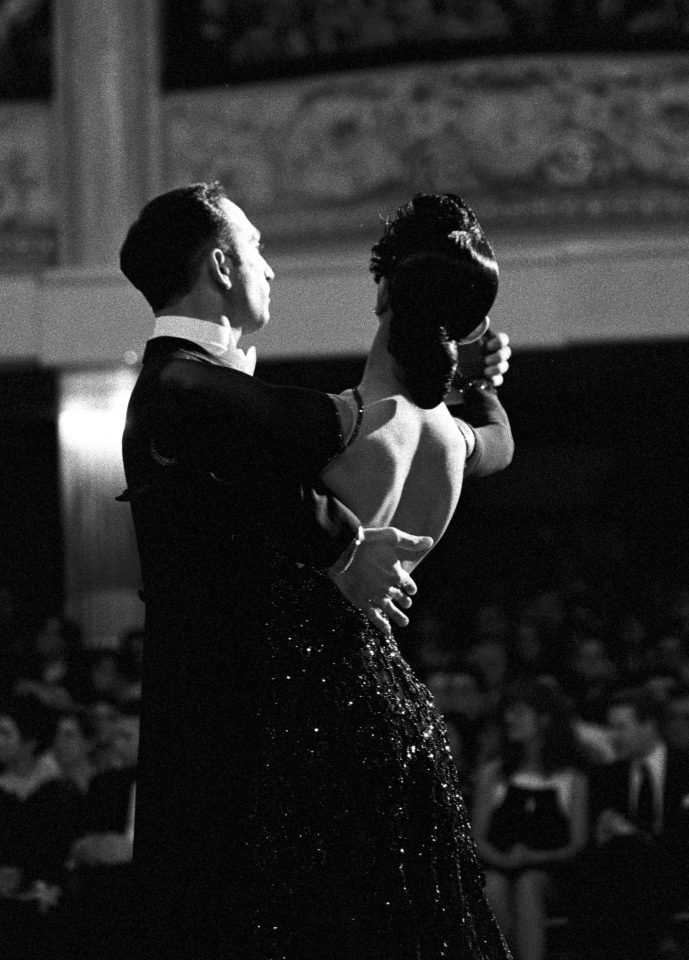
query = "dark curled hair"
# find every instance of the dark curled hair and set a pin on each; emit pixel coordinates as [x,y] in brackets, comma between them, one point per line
[163,249]
[443,280]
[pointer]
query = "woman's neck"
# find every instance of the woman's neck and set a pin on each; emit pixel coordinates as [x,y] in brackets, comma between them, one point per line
[379,377]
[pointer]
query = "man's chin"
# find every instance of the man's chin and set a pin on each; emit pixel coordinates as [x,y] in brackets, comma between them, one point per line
[262,322]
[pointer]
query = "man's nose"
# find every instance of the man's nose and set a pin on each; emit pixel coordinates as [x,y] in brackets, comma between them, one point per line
[269,271]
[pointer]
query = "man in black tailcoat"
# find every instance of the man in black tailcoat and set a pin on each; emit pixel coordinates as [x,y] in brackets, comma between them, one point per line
[222,474]
[638,872]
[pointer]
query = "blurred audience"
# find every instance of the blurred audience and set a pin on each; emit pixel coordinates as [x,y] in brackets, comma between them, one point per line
[530,811]
[55,666]
[25,734]
[103,712]
[99,895]
[533,681]
[639,868]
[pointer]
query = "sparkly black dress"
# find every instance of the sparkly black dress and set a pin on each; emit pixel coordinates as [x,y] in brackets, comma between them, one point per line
[364,849]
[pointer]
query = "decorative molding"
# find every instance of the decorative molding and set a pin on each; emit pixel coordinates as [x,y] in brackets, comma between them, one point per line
[576,137]
[543,141]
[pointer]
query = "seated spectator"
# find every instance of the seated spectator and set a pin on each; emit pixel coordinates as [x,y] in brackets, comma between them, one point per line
[491,658]
[103,713]
[104,675]
[53,815]
[99,898]
[638,871]
[25,731]
[669,652]
[590,678]
[73,746]
[530,813]
[26,728]
[110,818]
[660,680]
[459,696]
[54,669]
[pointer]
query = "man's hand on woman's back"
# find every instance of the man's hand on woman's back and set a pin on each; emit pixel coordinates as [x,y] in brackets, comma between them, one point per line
[374,579]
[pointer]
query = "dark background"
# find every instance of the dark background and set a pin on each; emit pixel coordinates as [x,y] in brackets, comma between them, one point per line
[598,484]
[213,42]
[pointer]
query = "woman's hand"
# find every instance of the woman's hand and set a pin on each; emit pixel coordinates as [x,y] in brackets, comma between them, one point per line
[496,355]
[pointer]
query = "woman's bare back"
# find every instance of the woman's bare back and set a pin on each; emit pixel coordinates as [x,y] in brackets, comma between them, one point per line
[404,468]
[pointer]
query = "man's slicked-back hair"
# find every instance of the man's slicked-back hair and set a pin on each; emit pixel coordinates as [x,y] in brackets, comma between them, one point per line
[164,247]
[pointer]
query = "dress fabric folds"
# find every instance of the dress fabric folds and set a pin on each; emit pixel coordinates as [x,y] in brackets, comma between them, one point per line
[358,830]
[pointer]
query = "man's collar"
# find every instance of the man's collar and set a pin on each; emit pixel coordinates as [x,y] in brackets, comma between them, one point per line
[213,337]
[656,758]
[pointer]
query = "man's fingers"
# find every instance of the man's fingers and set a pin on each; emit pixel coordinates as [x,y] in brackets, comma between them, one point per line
[379,621]
[394,613]
[399,597]
[408,585]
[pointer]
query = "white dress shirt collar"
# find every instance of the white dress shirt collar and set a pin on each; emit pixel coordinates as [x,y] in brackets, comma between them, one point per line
[213,337]
[656,763]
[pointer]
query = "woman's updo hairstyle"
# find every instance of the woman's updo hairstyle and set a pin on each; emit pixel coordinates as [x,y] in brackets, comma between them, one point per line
[443,279]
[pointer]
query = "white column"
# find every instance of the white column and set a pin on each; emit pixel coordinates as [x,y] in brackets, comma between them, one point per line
[107,122]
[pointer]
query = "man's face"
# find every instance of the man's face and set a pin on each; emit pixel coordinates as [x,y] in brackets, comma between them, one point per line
[70,743]
[633,738]
[125,741]
[522,722]
[249,296]
[104,716]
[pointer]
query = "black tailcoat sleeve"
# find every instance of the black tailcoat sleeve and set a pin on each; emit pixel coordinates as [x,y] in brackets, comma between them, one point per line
[193,421]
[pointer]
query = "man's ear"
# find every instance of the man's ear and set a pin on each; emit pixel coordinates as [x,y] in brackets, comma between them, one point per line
[221,268]
[382,297]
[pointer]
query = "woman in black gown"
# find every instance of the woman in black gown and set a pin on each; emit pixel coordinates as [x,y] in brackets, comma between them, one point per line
[358,833]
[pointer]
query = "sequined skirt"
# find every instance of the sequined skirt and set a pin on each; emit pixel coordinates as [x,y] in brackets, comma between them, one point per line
[358,833]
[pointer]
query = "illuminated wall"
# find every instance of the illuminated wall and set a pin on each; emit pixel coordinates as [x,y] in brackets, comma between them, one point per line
[101,566]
